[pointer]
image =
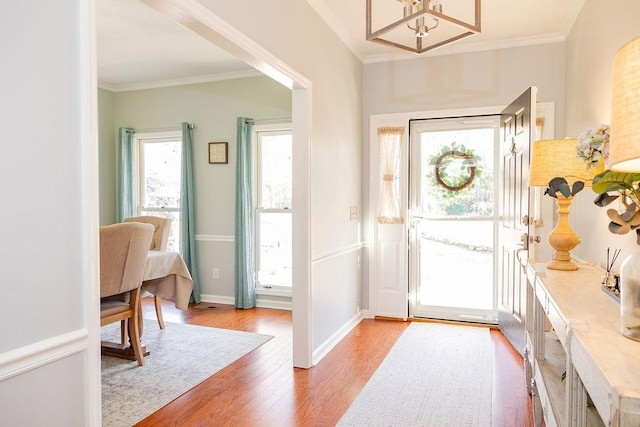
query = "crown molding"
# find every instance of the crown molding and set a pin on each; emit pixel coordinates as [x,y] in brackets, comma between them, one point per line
[179,82]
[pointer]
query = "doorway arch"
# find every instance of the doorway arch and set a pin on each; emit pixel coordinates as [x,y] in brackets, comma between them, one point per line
[202,21]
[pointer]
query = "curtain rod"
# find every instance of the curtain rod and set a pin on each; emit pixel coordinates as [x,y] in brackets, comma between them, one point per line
[191,126]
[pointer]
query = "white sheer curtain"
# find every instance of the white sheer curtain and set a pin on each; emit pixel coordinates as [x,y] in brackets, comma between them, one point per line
[390,141]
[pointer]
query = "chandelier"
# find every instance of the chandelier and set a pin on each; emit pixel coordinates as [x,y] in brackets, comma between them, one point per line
[413,31]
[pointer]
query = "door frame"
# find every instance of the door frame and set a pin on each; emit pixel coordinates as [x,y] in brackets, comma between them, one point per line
[193,15]
[388,263]
[488,316]
[389,290]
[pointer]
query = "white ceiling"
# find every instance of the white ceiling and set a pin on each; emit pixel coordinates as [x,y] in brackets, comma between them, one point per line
[138,47]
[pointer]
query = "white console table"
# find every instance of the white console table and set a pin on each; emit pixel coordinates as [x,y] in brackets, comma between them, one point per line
[574,327]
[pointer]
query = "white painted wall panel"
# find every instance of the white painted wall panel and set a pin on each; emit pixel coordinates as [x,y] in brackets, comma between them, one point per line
[49,242]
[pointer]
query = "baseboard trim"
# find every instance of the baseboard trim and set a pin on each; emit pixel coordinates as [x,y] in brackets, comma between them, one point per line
[334,339]
[262,301]
[32,356]
[367,314]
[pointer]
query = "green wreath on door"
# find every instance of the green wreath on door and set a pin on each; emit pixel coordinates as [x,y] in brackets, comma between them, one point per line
[455,168]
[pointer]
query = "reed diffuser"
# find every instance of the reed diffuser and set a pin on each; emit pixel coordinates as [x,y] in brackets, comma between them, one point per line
[609,280]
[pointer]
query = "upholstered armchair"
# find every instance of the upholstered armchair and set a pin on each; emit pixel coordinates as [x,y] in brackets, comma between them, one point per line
[123,255]
[162,226]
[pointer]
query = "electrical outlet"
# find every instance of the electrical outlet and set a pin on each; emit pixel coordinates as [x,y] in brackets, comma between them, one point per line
[216,273]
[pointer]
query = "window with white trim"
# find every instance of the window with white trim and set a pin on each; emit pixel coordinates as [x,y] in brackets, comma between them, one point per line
[274,193]
[159,179]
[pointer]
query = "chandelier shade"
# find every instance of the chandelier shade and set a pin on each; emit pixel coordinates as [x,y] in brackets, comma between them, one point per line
[421,25]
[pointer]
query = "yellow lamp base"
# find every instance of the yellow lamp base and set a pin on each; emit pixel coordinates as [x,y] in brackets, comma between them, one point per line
[562,266]
[563,238]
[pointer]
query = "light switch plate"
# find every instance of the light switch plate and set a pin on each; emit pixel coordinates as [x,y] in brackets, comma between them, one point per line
[353,213]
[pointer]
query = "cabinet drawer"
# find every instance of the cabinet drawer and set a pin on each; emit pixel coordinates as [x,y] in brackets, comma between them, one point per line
[553,314]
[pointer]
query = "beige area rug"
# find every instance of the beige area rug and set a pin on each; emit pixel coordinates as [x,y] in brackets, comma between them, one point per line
[182,356]
[434,375]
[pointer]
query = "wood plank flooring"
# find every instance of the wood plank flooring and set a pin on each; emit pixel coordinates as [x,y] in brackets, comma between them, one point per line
[263,389]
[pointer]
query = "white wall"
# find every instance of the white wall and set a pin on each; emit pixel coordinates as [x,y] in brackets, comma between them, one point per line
[308,46]
[49,174]
[107,156]
[593,42]
[48,227]
[213,109]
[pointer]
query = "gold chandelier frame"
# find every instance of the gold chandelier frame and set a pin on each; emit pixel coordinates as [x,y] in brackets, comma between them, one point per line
[421,46]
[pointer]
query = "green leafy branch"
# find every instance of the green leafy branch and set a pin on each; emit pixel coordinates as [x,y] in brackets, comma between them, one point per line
[560,185]
[611,186]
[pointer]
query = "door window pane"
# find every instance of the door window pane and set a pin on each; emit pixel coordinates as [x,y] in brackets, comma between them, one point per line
[455,171]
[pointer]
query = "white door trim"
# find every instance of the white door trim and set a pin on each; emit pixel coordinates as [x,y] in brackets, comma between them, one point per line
[193,15]
[377,305]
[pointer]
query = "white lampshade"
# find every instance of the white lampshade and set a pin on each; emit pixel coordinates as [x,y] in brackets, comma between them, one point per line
[624,142]
[557,158]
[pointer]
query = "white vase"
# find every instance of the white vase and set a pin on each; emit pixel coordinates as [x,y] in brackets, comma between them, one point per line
[630,296]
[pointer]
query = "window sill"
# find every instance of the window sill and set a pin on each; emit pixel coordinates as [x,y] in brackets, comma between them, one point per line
[274,292]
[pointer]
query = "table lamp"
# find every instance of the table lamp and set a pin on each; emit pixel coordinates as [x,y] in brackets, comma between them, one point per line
[624,155]
[624,149]
[557,158]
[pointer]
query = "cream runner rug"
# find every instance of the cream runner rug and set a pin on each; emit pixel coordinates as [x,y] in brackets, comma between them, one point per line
[182,356]
[435,375]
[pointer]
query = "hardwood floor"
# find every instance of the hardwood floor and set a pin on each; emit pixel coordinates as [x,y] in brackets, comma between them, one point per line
[263,389]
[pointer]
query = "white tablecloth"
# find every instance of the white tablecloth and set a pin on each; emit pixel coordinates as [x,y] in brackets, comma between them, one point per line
[166,275]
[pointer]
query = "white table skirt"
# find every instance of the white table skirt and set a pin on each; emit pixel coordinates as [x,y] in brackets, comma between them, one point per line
[167,276]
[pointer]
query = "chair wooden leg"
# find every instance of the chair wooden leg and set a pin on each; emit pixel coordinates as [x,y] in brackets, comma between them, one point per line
[158,303]
[134,330]
[123,331]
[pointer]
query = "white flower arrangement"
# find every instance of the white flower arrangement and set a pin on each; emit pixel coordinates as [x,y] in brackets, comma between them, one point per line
[593,145]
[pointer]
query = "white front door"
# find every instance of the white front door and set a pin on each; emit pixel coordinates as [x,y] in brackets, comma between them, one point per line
[453,221]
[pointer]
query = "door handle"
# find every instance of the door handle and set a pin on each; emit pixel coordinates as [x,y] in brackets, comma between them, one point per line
[523,265]
[525,241]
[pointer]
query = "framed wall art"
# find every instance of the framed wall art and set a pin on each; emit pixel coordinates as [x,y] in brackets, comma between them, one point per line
[218,153]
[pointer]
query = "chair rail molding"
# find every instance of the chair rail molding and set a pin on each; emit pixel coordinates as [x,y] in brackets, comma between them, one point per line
[214,238]
[32,356]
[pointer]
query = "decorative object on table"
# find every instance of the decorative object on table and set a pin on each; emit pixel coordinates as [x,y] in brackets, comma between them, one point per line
[218,153]
[554,165]
[624,156]
[455,168]
[418,19]
[610,281]
[630,296]
[593,147]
